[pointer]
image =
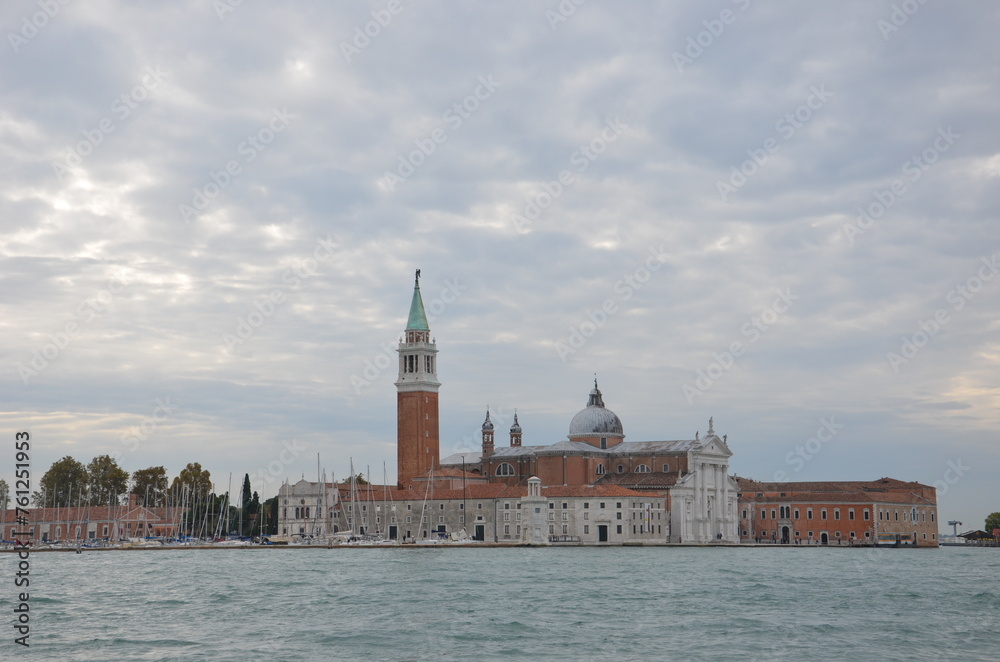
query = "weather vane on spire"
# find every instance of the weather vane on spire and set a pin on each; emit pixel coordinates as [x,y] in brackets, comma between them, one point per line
[417,278]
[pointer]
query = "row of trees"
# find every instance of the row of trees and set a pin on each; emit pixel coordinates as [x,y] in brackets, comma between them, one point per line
[102,482]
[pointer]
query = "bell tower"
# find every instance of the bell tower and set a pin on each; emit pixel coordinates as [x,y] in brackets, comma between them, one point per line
[417,444]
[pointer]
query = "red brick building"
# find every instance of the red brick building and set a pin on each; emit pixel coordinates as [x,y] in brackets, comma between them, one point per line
[885,512]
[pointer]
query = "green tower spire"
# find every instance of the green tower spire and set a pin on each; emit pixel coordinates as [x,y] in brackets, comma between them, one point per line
[418,319]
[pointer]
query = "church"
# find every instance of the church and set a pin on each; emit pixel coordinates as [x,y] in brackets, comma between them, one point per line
[593,487]
[689,477]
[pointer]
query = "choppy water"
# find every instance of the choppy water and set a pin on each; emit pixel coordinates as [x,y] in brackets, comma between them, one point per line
[552,604]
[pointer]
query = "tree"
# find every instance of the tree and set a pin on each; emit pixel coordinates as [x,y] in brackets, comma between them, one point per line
[4,494]
[197,480]
[269,517]
[65,483]
[108,481]
[360,479]
[992,522]
[150,485]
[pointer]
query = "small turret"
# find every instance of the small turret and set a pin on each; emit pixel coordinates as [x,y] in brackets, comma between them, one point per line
[487,435]
[515,432]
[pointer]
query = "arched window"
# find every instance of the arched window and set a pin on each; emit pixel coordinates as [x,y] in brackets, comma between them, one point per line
[600,469]
[505,469]
[641,469]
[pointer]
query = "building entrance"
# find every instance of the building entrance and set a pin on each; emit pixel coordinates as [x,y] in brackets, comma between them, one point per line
[602,533]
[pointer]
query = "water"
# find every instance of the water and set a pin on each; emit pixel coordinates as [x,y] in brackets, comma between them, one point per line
[490,604]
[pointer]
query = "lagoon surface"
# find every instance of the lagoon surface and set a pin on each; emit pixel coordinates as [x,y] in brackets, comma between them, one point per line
[512,603]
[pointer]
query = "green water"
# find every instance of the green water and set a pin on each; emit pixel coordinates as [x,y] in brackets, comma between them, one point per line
[551,604]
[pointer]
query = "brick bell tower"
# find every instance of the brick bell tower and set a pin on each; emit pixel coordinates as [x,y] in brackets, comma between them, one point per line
[417,445]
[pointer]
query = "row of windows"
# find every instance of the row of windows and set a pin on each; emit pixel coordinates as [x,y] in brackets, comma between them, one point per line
[411,363]
[506,469]
[785,512]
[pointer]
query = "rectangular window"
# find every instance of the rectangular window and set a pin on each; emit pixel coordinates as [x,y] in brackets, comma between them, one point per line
[836,513]
[852,534]
[552,516]
[602,504]
[551,505]
[565,516]
[586,515]
[822,513]
[744,514]
[867,514]
[586,505]
[619,528]
[479,506]
[552,529]
[506,505]
[586,529]
[796,513]
[666,468]
[772,513]
[809,514]
[461,519]
[763,514]
[506,530]
[565,529]
[618,515]
[850,514]
[565,505]
[518,517]
[618,505]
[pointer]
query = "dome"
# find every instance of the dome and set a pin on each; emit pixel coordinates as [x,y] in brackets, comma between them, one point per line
[488,424]
[516,428]
[595,419]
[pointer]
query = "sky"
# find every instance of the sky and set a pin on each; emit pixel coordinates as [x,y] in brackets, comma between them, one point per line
[780,216]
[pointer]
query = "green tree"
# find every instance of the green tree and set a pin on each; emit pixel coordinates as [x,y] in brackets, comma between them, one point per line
[65,483]
[150,485]
[198,482]
[4,494]
[360,479]
[108,481]
[992,522]
[269,517]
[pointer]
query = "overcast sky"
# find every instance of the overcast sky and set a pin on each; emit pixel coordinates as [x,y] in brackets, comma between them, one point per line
[780,215]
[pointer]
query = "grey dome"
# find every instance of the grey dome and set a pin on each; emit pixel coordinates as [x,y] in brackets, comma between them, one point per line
[595,418]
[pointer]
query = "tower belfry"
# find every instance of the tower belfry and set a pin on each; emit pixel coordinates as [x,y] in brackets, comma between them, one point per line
[417,443]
